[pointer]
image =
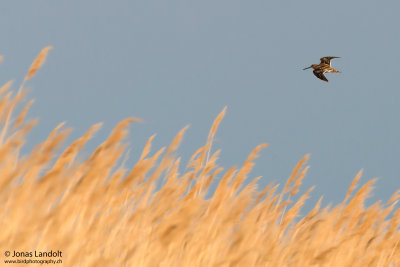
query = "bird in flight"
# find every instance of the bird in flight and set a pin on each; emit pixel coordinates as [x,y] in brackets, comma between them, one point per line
[321,68]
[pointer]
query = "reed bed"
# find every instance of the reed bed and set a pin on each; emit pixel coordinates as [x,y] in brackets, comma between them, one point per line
[100,212]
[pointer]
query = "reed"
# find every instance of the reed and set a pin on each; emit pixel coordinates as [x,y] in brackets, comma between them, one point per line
[99,212]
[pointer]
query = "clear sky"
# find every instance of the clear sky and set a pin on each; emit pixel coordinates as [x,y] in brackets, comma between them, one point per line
[174,63]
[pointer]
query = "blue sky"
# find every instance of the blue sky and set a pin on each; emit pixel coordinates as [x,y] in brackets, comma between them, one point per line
[174,63]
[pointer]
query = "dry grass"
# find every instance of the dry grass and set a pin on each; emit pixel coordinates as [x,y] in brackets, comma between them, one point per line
[99,212]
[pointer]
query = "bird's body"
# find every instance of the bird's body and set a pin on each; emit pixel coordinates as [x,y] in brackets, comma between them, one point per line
[321,68]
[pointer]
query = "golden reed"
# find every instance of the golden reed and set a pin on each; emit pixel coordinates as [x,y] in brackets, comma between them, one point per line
[100,212]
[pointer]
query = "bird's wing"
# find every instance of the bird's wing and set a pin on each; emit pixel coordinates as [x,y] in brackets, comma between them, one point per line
[320,75]
[327,60]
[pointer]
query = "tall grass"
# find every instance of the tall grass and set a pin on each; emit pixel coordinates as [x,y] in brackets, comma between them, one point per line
[99,212]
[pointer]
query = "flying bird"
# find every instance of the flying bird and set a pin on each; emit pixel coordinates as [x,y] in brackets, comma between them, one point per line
[321,68]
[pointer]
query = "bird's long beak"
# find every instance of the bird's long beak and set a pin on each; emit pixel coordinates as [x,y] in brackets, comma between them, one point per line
[307,68]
